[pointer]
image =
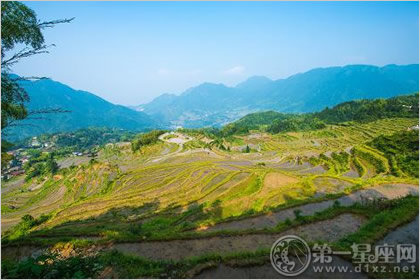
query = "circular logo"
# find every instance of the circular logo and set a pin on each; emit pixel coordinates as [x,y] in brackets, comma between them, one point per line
[290,255]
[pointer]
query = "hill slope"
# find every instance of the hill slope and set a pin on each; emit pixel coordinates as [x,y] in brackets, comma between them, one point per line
[86,109]
[362,111]
[217,104]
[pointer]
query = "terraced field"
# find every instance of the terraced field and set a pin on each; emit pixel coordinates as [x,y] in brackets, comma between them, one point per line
[197,196]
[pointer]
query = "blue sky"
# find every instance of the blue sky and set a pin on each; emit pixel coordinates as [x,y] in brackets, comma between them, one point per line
[131,52]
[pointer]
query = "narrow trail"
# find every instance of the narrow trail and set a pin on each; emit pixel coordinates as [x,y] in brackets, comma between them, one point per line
[387,191]
[328,230]
[180,140]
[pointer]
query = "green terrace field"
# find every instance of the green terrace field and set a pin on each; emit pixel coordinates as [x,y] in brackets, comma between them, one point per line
[333,138]
[215,181]
[211,197]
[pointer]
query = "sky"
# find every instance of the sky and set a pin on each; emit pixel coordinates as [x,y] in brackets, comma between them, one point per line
[131,52]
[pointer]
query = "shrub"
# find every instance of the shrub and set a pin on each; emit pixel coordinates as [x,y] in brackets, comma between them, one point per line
[135,229]
[298,214]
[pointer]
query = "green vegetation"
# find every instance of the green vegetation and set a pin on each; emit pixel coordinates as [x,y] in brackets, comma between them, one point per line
[40,164]
[377,160]
[253,121]
[406,106]
[211,104]
[342,160]
[176,187]
[296,123]
[272,122]
[49,266]
[85,139]
[145,139]
[359,166]
[383,216]
[19,27]
[193,182]
[257,176]
[27,222]
[402,151]
[361,111]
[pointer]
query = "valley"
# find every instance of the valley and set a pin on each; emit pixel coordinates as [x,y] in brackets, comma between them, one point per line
[209,140]
[187,195]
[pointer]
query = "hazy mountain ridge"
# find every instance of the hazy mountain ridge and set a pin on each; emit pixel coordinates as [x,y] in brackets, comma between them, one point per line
[212,104]
[86,110]
[304,92]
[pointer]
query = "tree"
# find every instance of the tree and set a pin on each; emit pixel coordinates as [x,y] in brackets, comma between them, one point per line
[51,165]
[19,26]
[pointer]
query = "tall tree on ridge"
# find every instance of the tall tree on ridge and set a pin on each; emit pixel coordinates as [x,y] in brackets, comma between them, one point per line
[20,26]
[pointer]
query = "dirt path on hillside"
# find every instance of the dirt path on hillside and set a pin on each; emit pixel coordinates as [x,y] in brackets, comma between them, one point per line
[178,139]
[388,191]
[328,230]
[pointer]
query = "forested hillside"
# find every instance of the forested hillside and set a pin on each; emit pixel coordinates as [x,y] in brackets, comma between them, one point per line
[360,111]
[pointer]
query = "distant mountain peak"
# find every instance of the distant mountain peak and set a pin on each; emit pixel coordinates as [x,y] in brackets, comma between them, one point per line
[258,78]
[211,104]
[85,110]
[206,86]
[254,81]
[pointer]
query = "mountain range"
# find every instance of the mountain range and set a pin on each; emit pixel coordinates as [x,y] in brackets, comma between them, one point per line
[85,110]
[212,104]
[217,104]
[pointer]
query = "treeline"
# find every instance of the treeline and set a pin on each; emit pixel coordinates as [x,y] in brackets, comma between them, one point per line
[406,106]
[210,132]
[359,111]
[296,123]
[275,123]
[145,139]
[254,121]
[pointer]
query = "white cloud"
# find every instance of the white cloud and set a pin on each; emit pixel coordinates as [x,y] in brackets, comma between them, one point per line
[236,70]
